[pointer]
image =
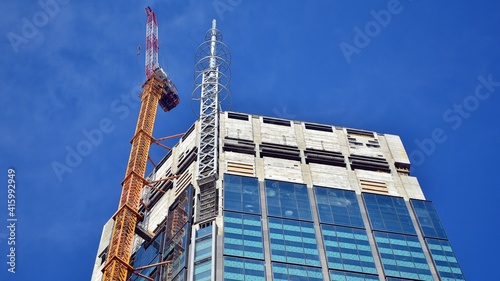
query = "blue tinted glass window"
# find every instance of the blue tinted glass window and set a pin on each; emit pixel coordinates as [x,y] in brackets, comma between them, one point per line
[428,219]
[288,200]
[286,272]
[203,254]
[175,251]
[338,206]
[351,276]
[445,260]
[388,213]
[402,256]
[203,270]
[145,256]
[181,276]
[243,235]
[293,242]
[243,269]
[348,249]
[241,194]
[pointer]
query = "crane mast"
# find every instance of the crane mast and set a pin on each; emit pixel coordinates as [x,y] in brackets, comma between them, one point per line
[158,89]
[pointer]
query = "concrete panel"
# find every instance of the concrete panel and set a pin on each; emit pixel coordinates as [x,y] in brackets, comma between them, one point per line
[238,129]
[321,140]
[188,143]
[329,176]
[277,134]
[412,187]
[282,169]
[397,149]
[104,242]
[159,211]
[239,157]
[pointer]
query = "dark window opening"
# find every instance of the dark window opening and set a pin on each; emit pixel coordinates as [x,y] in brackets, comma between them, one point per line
[237,116]
[402,167]
[187,158]
[369,163]
[279,151]
[275,121]
[359,132]
[324,157]
[317,127]
[239,146]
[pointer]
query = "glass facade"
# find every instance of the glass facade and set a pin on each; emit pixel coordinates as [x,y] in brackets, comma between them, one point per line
[147,254]
[241,194]
[175,251]
[388,213]
[445,260]
[177,235]
[336,206]
[170,244]
[292,238]
[428,219]
[293,242]
[286,272]
[351,276]
[203,255]
[440,249]
[243,235]
[402,256]
[275,230]
[243,269]
[348,249]
[287,200]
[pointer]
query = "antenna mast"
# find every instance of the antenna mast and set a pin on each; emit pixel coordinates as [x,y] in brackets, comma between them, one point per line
[212,76]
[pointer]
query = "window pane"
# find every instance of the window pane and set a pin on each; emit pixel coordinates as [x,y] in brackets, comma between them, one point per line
[243,235]
[348,249]
[402,256]
[295,272]
[338,206]
[241,194]
[351,276]
[288,200]
[428,219]
[293,242]
[243,269]
[388,213]
[445,260]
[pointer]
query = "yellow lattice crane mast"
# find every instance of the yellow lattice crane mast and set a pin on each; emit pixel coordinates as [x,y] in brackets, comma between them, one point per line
[158,89]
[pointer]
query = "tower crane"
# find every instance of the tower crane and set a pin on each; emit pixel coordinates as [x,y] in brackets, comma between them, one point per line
[158,89]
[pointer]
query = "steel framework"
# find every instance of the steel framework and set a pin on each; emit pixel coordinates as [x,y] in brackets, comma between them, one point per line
[212,76]
[157,90]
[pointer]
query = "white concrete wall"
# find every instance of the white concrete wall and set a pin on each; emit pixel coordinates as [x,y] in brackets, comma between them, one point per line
[103,243]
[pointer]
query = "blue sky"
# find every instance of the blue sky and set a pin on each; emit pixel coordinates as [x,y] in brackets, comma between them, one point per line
[424,70]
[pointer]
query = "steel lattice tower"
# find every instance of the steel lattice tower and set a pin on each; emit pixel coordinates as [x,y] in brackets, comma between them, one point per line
[212,76]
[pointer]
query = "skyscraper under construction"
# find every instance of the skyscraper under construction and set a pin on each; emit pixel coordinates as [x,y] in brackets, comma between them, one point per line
[248,197]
